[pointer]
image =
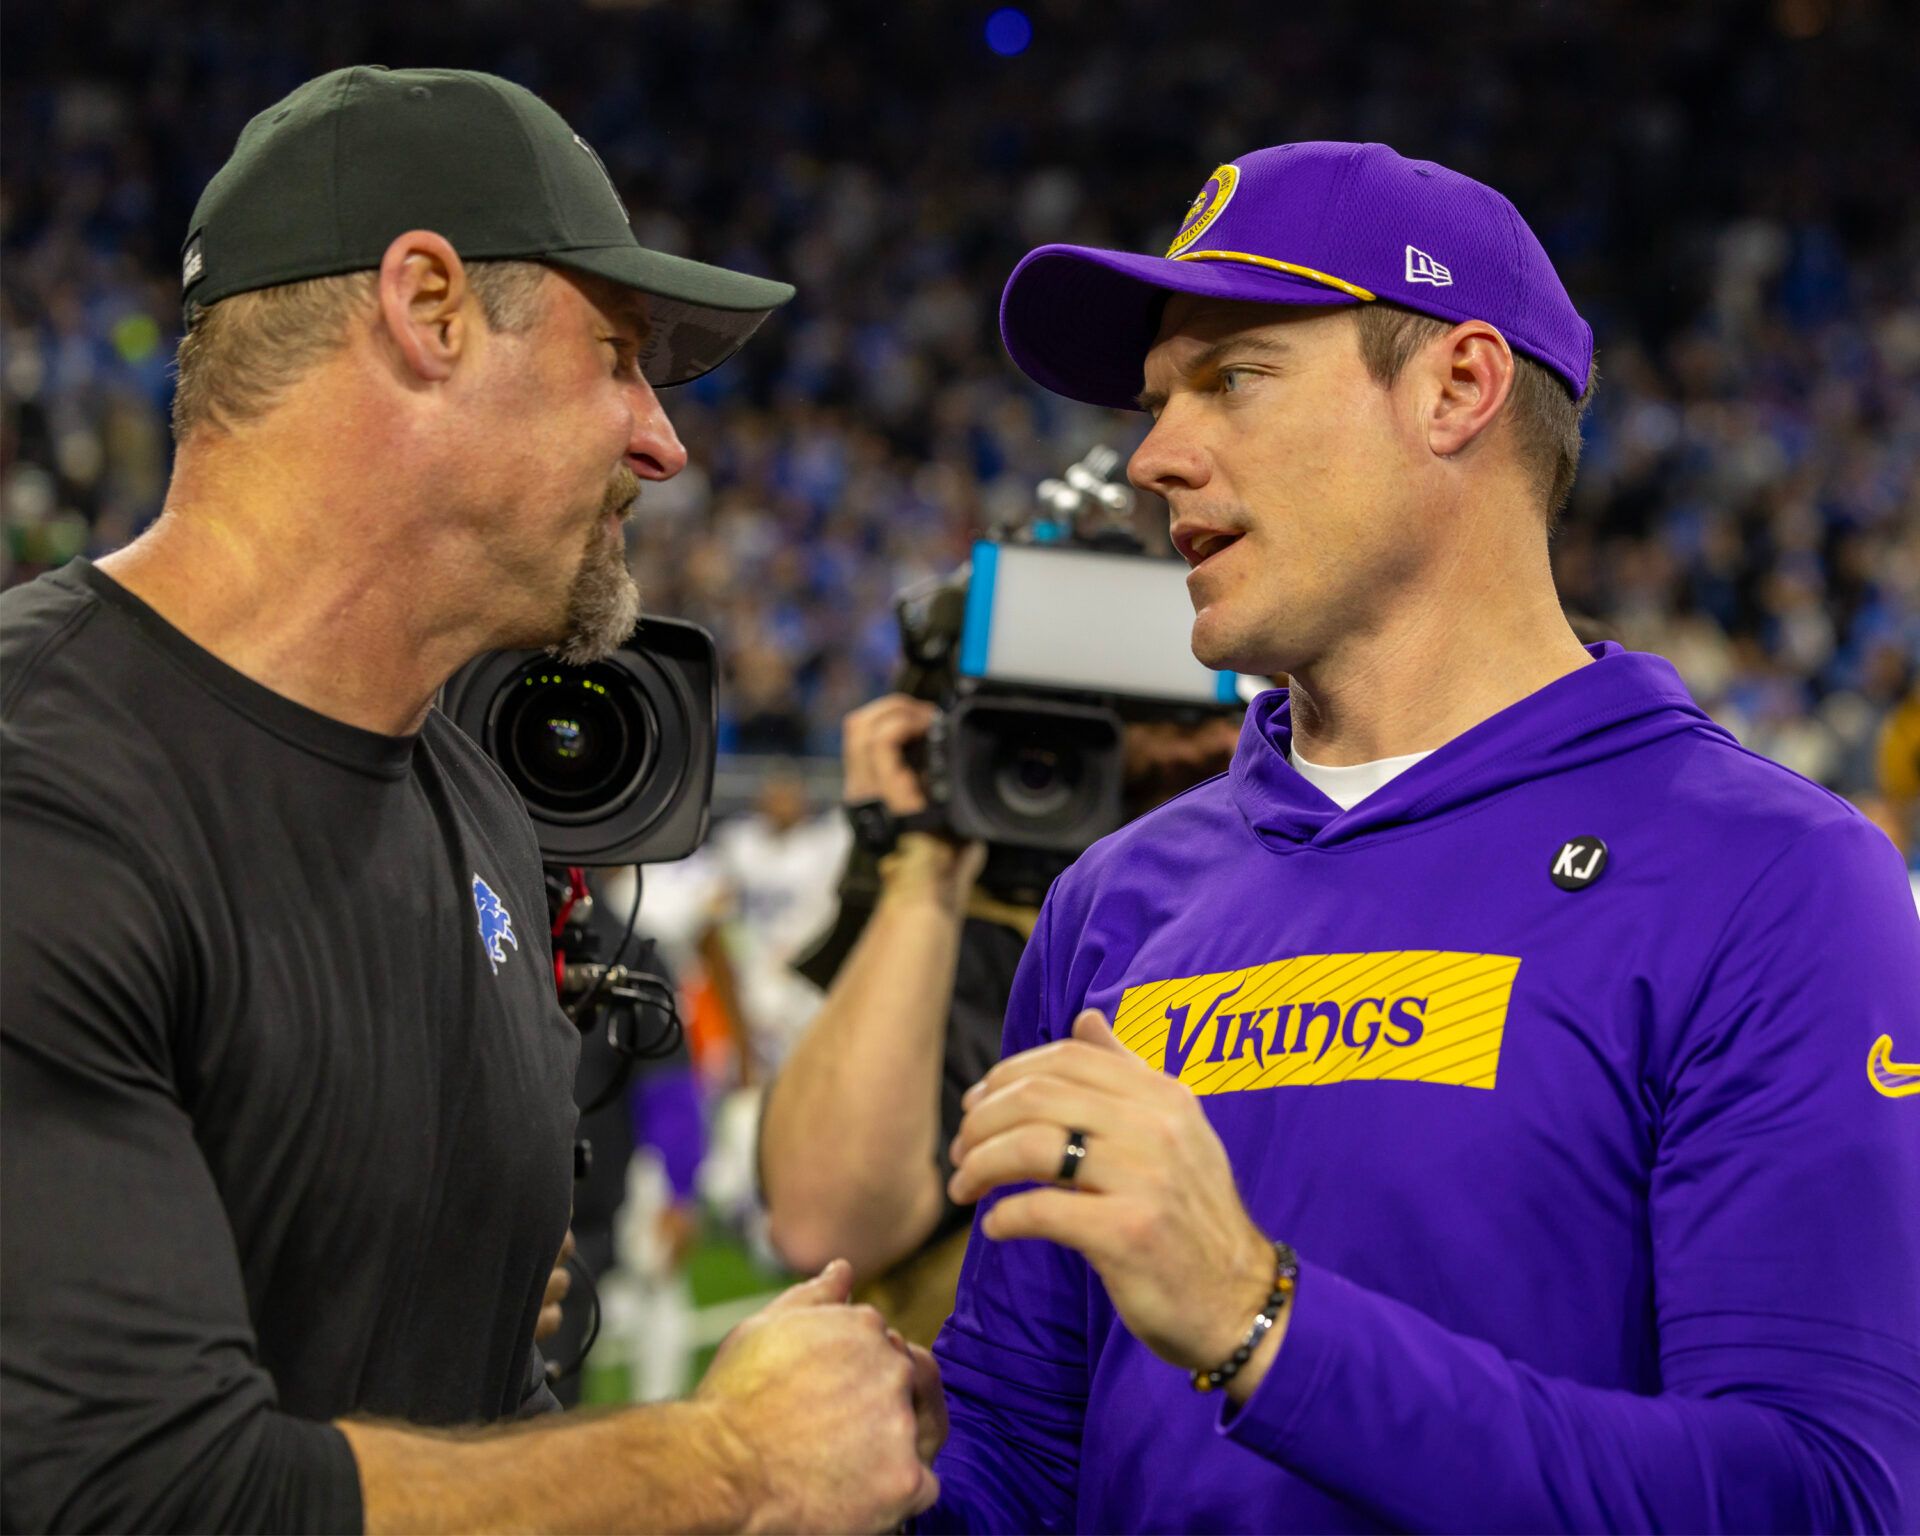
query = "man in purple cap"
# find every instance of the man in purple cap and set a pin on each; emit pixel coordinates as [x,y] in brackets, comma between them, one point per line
[1501,1121]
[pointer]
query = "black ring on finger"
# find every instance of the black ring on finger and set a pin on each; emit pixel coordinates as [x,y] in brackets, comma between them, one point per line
[1073,1156]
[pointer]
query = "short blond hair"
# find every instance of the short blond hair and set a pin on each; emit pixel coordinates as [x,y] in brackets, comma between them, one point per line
[1545,418]
[241,355]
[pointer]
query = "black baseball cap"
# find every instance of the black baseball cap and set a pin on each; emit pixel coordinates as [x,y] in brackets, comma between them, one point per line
[322,182]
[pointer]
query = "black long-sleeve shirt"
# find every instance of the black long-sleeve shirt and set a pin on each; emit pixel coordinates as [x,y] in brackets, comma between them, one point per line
[285,1092]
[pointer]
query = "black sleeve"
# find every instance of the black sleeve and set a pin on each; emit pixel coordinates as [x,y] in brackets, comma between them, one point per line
[131,1397]
[983,981]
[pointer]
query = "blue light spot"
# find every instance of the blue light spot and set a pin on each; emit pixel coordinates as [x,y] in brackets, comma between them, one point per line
[1009,32]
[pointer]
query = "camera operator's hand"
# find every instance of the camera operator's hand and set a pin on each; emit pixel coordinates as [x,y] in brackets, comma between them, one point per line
[873,742]
[834,1419]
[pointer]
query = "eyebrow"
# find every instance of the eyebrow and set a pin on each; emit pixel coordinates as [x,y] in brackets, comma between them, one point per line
[632,318]
[628,314]
[1151,400]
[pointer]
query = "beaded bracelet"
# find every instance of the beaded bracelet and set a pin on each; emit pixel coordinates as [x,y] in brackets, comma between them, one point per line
[1286,1270]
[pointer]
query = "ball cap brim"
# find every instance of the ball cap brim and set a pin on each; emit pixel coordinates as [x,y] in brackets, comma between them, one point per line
[698,316]
[1080,321]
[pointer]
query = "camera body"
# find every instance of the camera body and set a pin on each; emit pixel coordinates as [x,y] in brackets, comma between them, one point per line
[614,759]
[1040,652]
[1025,771]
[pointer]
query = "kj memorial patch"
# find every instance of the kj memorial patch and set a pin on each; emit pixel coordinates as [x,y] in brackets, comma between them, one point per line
[1405,1015]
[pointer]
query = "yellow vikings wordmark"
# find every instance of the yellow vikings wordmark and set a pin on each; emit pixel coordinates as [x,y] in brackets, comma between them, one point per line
[1405,1015]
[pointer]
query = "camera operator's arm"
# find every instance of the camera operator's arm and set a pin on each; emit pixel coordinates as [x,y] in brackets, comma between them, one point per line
[852,1123]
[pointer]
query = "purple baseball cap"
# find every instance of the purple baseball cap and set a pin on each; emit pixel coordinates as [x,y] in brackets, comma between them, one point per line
[1316,223]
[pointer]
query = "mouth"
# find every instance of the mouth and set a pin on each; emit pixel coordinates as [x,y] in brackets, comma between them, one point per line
[622,497]
[1198,545]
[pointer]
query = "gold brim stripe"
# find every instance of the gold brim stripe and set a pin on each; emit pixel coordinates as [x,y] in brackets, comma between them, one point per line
[1281,266]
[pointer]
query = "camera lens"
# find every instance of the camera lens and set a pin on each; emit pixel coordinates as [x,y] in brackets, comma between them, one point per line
[1036,782]
[575,741]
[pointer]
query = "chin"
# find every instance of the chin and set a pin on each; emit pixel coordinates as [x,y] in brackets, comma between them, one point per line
[1225,647]
[599,621]
[601,609]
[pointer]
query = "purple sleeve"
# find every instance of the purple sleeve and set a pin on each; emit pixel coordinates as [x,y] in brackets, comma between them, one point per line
[1787,1273]
[1013,1356]
[666,1117]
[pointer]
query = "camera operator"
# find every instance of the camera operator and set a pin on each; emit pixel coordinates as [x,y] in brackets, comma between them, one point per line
[288,1130]
[641,1103]
[854,1134]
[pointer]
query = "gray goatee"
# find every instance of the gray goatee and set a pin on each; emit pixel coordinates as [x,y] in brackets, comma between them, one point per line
[603,604]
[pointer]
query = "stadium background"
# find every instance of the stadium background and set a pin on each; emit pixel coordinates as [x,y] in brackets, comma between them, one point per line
[1728,190]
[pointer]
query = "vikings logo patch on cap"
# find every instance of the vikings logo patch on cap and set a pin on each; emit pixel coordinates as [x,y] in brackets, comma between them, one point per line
[1207,207]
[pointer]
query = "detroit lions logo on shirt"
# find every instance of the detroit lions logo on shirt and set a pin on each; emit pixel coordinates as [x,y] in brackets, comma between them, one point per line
[1411,1015]
[496,924]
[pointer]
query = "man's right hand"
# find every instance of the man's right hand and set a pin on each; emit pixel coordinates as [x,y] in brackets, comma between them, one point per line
[873,749]
[832,1418]
[873,743]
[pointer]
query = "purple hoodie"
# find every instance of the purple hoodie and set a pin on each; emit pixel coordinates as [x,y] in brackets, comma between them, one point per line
[1605,1220]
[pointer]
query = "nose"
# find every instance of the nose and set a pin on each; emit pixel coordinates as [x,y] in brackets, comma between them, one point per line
[1169,457]
[654,449]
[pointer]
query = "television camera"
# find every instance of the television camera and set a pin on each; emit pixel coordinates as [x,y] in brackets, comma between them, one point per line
[614,761]
[1058,632]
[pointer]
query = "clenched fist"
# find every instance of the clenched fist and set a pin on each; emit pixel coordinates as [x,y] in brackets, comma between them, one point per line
[837,1421]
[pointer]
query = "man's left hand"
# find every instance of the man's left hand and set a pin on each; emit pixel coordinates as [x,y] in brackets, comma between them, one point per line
[1152,1207]
[929,1398]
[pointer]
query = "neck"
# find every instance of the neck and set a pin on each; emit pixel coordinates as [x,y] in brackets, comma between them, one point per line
[1445,657]
[318,586]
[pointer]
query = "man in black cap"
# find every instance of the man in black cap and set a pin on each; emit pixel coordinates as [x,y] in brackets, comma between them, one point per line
[287,1106]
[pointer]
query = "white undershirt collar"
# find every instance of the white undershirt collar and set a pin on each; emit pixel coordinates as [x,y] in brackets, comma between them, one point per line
[1347,787]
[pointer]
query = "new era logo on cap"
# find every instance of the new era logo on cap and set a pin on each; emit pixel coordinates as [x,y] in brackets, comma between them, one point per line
[1422,268]
[192,264]
[605,175]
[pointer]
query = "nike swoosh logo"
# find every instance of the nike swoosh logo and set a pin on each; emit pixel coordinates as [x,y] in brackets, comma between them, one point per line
[1895,1079]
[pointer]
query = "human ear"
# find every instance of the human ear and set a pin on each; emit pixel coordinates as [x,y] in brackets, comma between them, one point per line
[423,292]
[1473,371]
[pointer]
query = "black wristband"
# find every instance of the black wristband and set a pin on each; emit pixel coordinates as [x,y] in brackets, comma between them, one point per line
[1286,1270]
[874,826]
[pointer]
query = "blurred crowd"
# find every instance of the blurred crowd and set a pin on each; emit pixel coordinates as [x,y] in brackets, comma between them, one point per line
[1725,187]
